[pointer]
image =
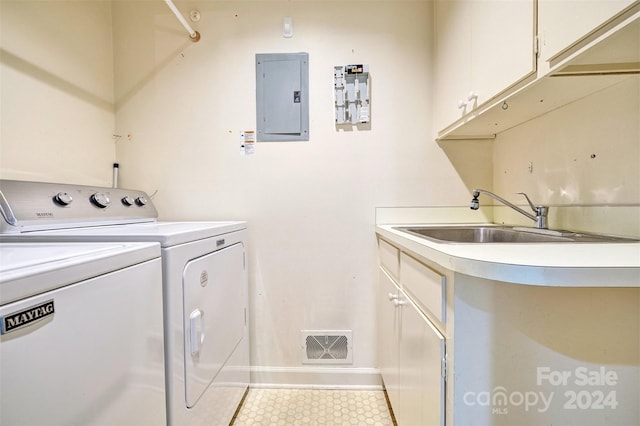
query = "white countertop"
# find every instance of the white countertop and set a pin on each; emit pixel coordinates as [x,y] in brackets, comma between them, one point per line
[543,264]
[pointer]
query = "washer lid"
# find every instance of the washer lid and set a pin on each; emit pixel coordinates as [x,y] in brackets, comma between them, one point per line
[27,269]
[168,234]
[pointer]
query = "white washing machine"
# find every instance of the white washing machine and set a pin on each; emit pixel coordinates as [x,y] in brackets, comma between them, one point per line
[205,284]
[81,337]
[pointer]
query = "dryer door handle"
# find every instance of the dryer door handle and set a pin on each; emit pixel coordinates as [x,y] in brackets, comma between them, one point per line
[196,323]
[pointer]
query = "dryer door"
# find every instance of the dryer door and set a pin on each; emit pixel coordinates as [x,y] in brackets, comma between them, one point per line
[214,316]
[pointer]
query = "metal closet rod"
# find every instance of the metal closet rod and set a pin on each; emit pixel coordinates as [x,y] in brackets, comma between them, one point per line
[193,35]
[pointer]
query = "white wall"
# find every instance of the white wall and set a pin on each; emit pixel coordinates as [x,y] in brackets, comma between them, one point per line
[310,205]
[586,163]
[56,91]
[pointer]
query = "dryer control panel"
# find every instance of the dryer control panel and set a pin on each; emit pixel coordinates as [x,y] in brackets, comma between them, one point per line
[35,206]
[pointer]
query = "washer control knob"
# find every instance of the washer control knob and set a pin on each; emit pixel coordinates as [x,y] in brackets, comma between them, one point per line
[100,200]
[63,198]
[141,201]
[127,201]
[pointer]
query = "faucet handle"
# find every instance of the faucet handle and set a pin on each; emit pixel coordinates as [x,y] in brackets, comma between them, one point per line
[541,213]
[534,208]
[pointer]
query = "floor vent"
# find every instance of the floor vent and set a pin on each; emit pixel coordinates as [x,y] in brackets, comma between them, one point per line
[327,347]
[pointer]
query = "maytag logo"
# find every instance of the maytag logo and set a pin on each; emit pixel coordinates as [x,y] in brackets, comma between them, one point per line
[27,316]
[44,214]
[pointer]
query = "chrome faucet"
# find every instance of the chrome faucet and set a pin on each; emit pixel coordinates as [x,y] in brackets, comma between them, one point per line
[541,212]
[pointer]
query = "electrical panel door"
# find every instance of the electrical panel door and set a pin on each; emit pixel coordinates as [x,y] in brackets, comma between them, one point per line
[282,97]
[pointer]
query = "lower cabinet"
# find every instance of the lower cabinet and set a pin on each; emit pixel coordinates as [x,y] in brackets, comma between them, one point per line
[505,344]
[411,357]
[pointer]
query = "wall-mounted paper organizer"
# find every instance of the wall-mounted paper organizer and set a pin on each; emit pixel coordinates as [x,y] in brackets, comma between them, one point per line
[352,96]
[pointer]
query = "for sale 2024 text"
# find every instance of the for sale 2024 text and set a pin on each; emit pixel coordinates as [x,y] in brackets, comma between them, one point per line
[591,396]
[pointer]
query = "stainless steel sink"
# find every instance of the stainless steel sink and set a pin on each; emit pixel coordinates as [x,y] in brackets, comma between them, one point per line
[503,234]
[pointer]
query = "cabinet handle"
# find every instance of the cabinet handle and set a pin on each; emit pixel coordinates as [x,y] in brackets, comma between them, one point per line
[472,96]
[462,104]
[398,302]
[393,296]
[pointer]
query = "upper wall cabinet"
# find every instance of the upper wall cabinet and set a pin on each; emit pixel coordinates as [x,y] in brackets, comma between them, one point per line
[584,46]
[612,45]
[563,23]
[482,48]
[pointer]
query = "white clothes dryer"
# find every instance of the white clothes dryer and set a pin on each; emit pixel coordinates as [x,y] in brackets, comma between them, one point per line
[81,337]
[205,284]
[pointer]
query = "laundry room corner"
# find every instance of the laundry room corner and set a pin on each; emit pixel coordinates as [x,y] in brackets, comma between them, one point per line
[310,204]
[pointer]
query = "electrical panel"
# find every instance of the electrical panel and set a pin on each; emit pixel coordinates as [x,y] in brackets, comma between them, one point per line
[282,97]
[352,97]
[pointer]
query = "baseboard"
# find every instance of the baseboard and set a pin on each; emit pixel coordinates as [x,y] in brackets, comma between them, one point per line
[316,378]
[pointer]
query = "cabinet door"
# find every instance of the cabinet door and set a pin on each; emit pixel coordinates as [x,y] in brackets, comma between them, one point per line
[502,46]
[482,49]
[563,22]
[420,378]
[388,335]
[453,56]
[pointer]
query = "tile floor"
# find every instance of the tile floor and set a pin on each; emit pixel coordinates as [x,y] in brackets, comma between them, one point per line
[313,407]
